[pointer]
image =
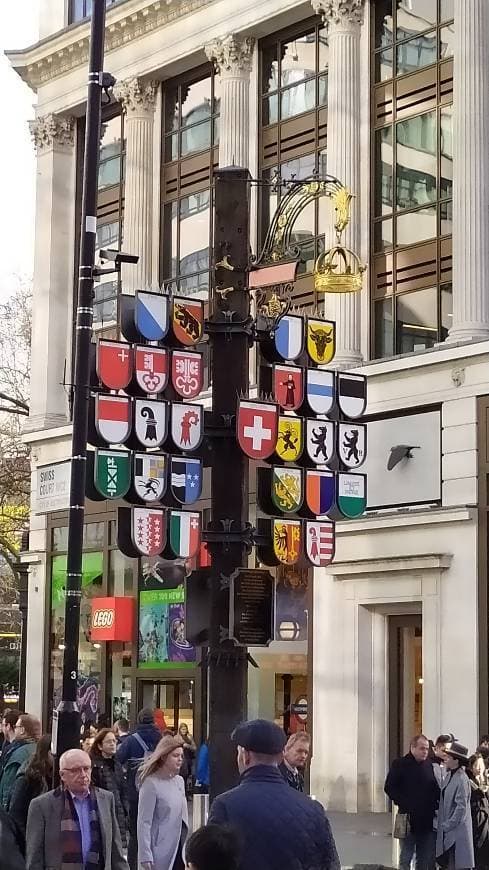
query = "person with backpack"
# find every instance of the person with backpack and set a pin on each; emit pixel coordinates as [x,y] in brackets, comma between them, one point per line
[137,747]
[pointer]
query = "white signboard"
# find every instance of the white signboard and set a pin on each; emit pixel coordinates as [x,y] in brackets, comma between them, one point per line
[53,487]
[412,443]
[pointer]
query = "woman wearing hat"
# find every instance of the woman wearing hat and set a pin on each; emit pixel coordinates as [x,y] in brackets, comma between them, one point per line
[454,841]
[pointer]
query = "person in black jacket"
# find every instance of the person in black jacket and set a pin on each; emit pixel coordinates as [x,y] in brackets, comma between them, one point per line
[279,826]
[31,781]
[479,807]
[12,858]
[411,784]
[107,773]
[131,753]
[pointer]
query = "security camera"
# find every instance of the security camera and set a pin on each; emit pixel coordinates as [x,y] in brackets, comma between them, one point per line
[117,257]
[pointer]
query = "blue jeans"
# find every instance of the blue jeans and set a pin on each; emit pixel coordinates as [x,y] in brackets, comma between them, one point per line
[421,847]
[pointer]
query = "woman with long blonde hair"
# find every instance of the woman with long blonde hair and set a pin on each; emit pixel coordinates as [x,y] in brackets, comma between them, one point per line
[162,809]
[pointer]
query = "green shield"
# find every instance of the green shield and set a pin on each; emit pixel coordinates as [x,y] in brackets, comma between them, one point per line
[287,489]
[112,472]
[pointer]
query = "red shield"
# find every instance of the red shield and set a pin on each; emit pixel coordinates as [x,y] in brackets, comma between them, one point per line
[114,364]
[187,373]
[288,386]
[151,368]
[257,428]
[320,543]
[187,320]
[149,530]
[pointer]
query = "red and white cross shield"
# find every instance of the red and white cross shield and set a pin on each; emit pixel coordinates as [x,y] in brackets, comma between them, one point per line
[187,373]
[257,428]
[114,364]
[151,368]
[148,530]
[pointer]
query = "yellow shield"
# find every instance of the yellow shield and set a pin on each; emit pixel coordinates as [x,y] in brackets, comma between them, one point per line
[290,439]
[321,340]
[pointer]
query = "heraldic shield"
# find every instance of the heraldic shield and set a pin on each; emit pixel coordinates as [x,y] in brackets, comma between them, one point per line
[288,386]
[290,438]
[112,472]
[148,530]
[320,340]
[289,336]
[257,428]
[151,368]
[113,418]
[186,426]
[150,473]
[150,422]
[152,315]
[320,491]
[320,441]
[352,394]
[352,494]
[352,444]
[287,540]
[187,320]
[320,543]
[114,364]
[187,373]
[186,479]
[184,533]
[287,489]
[320,390]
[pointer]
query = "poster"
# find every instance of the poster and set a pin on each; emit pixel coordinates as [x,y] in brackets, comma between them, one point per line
[162,641]
[291,603]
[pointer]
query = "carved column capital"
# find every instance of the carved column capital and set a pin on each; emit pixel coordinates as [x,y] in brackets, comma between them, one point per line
[136,95]
[49,131]
[339,11]
[231,54]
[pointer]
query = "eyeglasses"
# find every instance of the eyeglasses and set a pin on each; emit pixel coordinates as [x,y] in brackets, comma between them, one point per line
[76,770]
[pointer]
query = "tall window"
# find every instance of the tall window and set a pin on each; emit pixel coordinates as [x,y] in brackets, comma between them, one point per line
[190,154]
[80,9]
[293,115]
[413,171]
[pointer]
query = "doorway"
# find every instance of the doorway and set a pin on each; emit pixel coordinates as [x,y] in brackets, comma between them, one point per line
[174,698]
[405,681]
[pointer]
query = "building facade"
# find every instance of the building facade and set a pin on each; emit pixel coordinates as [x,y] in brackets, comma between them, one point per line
[392,98]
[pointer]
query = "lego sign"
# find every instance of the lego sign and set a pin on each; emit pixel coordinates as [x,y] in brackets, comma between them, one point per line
[112,619]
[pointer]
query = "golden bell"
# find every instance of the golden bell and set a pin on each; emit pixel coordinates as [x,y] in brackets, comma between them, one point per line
[338,270]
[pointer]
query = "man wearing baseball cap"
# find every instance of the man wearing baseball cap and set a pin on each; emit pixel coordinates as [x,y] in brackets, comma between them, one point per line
[279,827]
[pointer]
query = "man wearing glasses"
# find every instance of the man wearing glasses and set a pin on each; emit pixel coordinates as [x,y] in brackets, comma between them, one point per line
[74,826]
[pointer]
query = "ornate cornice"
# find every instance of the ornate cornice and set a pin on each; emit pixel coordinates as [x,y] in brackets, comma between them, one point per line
[136,95]
[49,131]
[339,11]
[231,54]
[66,50]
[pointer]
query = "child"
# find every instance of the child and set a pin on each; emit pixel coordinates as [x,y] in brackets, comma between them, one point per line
[215,847]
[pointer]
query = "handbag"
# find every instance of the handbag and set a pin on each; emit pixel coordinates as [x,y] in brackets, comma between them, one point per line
[401,826]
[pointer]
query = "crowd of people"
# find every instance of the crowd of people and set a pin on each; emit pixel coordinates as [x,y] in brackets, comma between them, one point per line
[441,793]
[122,802]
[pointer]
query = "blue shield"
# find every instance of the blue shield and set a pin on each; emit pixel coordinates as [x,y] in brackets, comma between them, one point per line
[186,479]
[151,315]
[289,336]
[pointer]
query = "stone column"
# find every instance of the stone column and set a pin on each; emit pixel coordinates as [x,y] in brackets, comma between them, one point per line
[344,19]
[470,173]
[138,100]
[232,57]
[53,137]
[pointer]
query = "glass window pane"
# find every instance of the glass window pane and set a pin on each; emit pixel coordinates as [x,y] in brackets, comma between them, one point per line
[416,161]
[323,58]
[383,235]
[196,101]
[105,313]
[216,131]
[446,302]
[414,16]
[301,98]
[270,69]
[416,226]
[170,234]
[60,539]
[196,138]
[270,110]
[301,167]
[416,320]
[93,535]
[121,570]
[383,65]
[383,24]
[194,232]
[216,95]
[171,147]
[446,151]
[121,692]
[383,171]
[107,236]
[323,90]
[384,334]
[446,41]
[307,253]
[197,285]
[109,173]
[298,59]
[446,219]
[446,10]
[416,53]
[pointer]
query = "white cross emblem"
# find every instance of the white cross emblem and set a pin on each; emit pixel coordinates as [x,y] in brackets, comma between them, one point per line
[257,433]
[123,355]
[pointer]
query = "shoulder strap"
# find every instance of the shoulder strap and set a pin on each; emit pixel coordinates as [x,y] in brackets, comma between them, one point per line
[141,742]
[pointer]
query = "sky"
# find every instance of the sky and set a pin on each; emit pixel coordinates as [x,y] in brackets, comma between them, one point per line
[18,29]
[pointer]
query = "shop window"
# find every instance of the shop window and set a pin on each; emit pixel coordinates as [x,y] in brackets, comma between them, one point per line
[80,9]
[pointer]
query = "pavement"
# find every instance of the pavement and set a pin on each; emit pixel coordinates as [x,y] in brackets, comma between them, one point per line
[363,838]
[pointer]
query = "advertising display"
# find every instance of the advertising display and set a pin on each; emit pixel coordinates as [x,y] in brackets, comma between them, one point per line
[162,642]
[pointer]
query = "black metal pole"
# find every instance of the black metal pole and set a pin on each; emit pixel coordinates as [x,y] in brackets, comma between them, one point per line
[229,328]
[67,728]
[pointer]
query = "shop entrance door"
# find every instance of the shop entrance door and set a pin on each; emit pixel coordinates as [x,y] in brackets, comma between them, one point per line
[405,682]
[171,699]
